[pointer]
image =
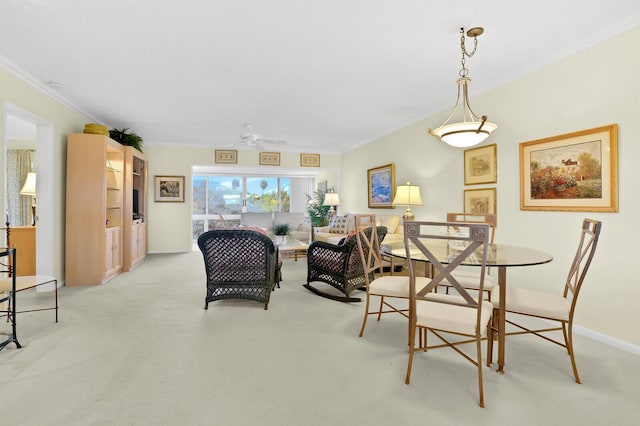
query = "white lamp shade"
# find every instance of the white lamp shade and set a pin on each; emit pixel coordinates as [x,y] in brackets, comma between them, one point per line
[331,199]
[407,195]
[29,187]
[464,134]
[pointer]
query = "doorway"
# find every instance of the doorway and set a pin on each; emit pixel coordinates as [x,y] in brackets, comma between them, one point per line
[40,132]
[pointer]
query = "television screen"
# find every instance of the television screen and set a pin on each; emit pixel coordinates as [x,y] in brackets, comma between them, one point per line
[136,210]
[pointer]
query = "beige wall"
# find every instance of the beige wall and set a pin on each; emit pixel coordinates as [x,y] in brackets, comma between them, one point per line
[590,89]
[169,226]
[64,120]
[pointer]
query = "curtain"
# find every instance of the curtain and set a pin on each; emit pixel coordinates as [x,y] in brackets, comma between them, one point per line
[19,206]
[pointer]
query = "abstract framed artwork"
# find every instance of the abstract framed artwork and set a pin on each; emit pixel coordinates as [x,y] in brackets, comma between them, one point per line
[226,156]
[169,189]
[310,160]
[480,165]
[572,172]
[269,158]
[480,201]
[381,186]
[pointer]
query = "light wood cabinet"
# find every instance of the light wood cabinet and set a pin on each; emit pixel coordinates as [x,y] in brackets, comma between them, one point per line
[112,253]
[94,209]
[23,238]
[134,244]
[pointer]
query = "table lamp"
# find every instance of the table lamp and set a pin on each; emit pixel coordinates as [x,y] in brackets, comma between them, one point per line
[29,188]
[331,199]
[408,195]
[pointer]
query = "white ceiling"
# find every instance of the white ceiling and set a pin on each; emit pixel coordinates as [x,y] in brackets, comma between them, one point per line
[325,75]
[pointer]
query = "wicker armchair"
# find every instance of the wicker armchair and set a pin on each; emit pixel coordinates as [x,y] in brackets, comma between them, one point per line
[240,264]
[338,265]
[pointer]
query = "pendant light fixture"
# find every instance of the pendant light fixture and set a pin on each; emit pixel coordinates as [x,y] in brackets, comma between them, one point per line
[472,129]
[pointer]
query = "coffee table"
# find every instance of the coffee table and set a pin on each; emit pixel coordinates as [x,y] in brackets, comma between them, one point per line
[288,244]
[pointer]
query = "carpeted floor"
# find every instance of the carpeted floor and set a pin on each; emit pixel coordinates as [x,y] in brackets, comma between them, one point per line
[141,350]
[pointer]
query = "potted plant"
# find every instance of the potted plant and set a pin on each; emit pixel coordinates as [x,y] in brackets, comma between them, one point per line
[281,230]
[318,212]
[124,137]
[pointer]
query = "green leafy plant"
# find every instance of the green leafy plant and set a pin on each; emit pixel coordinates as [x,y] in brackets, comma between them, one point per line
[125,137]
[318,212]
[281,229]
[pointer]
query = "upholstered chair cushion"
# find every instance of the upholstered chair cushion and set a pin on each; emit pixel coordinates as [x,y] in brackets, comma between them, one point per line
[542,304]
[257,219]
[454,318]
[395,286]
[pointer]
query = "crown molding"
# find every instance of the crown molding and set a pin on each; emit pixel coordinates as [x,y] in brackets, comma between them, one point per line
[23,75]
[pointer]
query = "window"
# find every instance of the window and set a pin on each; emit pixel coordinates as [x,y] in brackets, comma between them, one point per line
[217,196]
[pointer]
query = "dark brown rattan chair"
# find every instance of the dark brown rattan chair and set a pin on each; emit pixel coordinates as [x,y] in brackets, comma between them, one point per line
[339,266]
[240,264]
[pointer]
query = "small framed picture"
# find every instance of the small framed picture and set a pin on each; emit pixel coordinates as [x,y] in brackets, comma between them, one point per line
[226,156]
[480,201]
[169,189]
[480,165]
[310,160]
[269,158]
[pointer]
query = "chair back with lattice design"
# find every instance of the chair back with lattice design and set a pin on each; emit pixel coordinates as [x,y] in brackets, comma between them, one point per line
[368,245]
[582,259]
[239,264]
[489,219]
[445,251]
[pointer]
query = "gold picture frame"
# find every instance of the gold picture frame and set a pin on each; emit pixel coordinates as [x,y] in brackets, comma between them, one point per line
[226,156]
[309,160]
[571,172]
[480,201]
[481,165]
[169,189]
[269,158]
[381,183]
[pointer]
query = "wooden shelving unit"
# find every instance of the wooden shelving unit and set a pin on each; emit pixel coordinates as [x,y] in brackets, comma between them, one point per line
[94,209]
[135,209]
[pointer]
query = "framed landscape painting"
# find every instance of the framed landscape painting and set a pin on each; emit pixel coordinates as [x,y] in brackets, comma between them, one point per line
[169,188]
[571,172]
[381,186]
[480,201]
[480,165]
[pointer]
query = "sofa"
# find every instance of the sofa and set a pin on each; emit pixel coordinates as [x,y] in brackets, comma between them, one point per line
[340,227]
[299,226]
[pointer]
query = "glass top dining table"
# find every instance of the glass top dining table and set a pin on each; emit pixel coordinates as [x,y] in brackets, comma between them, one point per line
[500,256]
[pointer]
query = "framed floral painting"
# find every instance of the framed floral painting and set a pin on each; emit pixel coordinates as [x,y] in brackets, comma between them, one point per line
[571,172]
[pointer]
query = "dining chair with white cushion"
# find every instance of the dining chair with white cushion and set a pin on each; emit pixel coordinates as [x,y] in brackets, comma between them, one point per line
[454,319]
[558,307]
[469,278]
[385,287]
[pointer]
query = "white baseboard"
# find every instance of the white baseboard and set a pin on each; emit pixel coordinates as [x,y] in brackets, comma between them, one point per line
[603,338]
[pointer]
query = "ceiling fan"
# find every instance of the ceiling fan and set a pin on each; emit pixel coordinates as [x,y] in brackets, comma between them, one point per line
[255,141]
